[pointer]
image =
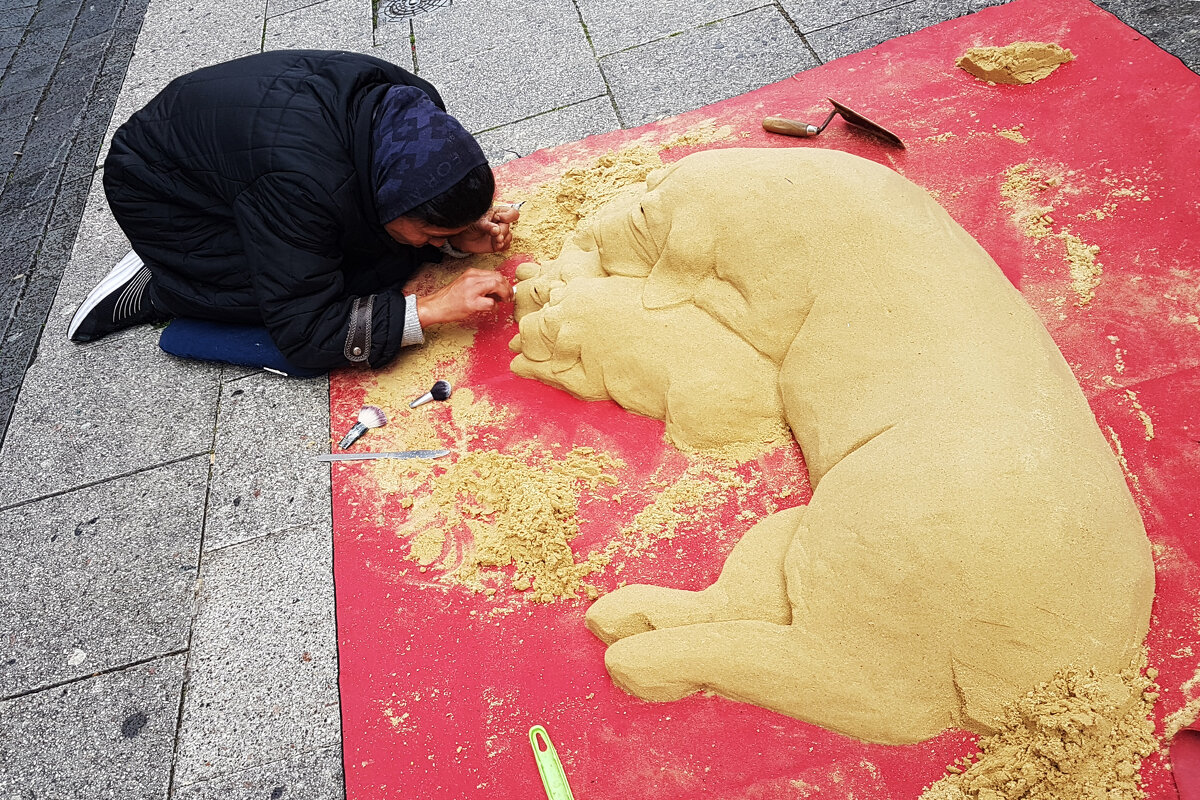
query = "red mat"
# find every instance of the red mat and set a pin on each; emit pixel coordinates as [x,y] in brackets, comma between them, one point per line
[438,692]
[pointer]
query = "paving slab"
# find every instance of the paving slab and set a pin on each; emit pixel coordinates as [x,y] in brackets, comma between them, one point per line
[857,35]
[13,126]
[10,38]
[75,73]
[43,156]
[87,413]
[17,15]
[17,257]
[36,57]
[91,142]
[108,576]
[53,15]
[495,63]
[328,25]
[810,15]
[556,127]
[100,241]
[96,19]
[393,42]
[277,7]
[18,106]
[69,202]
[1173,25]
[27,220]
[613,26]
[104,738]
[40,286]
[8,398]
[263,661]
[108,408]
[269,428]
[676,74]
[315,775]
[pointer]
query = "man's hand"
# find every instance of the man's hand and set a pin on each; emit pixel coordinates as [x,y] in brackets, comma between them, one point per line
[489,234]
[473,292]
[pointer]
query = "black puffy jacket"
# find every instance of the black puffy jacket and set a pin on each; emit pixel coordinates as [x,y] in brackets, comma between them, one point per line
[246,187]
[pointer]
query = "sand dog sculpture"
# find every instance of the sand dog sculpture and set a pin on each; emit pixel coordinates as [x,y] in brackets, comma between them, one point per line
[969,531]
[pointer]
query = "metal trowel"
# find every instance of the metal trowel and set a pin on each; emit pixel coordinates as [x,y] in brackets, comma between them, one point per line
[791,127]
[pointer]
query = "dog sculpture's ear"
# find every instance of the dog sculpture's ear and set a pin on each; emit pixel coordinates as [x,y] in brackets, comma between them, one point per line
[682,227]
[663,291]
[686,261]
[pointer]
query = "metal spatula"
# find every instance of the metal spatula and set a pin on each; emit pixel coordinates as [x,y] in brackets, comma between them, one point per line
[392,454]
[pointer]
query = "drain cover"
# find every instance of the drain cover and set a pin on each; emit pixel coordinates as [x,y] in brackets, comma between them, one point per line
[409,8]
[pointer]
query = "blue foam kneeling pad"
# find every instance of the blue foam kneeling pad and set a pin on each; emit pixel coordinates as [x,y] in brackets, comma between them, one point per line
[244,345]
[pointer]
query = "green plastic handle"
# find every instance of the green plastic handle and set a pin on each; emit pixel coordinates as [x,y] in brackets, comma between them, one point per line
[553,778]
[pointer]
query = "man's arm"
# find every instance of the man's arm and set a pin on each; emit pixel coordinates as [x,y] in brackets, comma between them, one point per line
[473,292]
[291,238]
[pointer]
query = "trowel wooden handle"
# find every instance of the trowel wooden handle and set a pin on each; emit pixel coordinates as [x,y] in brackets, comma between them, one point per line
[789,127]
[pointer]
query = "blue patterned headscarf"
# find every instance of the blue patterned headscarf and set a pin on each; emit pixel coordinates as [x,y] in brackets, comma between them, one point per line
[420,152]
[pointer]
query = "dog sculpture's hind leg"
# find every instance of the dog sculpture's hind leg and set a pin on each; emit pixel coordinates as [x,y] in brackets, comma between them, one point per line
[744,591]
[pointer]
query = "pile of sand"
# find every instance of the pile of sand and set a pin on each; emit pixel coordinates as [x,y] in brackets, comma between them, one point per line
[1081,736]
[520,509]
[1016,63]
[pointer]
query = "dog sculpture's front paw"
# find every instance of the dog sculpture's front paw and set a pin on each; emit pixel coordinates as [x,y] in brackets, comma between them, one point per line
[533,293]
[638,608]
[550,346]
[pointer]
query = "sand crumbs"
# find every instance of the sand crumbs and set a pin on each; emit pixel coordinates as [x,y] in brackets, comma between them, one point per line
[694,496]
[518,508]
[1030,191]
[555,208]
[1080,736]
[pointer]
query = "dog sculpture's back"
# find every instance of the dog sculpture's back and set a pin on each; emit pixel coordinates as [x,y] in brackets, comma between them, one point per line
[970,532]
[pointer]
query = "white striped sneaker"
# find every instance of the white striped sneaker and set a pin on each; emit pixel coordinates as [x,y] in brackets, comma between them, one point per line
[119,301]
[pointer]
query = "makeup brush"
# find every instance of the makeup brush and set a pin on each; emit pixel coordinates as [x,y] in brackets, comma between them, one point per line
[369,417]
[440,391]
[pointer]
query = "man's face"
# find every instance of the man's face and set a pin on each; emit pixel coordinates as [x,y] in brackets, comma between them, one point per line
[417,233]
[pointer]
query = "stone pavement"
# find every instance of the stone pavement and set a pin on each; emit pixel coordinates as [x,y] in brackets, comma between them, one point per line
[62,67]
[166,599]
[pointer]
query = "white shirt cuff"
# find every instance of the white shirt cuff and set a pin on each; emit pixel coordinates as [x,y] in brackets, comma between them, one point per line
[452,251]
[412,324]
